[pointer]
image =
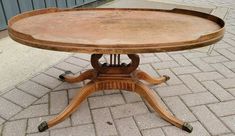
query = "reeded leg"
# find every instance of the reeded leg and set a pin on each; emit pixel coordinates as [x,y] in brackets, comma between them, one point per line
[70,78]
[141,75]
[149,96]
[77,100]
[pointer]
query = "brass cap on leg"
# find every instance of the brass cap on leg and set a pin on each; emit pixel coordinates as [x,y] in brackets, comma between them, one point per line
[43,127]
[187,127]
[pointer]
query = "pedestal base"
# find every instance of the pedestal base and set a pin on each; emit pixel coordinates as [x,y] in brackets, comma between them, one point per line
[109,76]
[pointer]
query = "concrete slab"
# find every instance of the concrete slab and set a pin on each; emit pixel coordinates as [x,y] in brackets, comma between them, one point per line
[152,4]
[195,5]
[20,62]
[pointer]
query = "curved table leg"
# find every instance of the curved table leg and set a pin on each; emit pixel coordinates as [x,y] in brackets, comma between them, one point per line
[149,96]
[68,77]
[152,80]
[77,100]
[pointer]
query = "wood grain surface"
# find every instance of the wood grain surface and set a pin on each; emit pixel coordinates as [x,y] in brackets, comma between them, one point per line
[115,31]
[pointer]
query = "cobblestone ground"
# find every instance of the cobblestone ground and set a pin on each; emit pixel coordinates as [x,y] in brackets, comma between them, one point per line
[201,91]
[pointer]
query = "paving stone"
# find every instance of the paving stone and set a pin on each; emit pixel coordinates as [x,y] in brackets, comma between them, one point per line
[54,72]
[230,64]
[99,93]
[164,56]
[82,115]
[149,120]
[149,69]
[58,101]
[127,127]
[84,130]
[221,45]
[145,60]
[192,83]
[223,70]
[42,100]
[199,98]
[174,80]
[33,123]
[83,56]
[227,83]
[165,64]
[233,70]
[103,122]
[227,54]
[231,91]
[228,135]
[73,92]
[68,67]
[19,97]
[179,109]
[1,127]
[1,122]
[33,111]
[178,52]
[223,108]
[202,65]
[218,91]
[39,134]
[147,55]
[220,12]
[159,100]
[209,120]
[229,121]
[129,109]
[66,85]
[190,55]
[33,88]
[215,59]
[198,130]
[15,128]
[205,49]
[185,70]
[172,90]
[111,91]
[204,76]
[47,81]
[77,61]
[106,100]
[229,41]
[153,132]
[181,60]
[8,109]
[131,96]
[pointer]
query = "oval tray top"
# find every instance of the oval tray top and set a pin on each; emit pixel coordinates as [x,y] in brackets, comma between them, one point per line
[115,31]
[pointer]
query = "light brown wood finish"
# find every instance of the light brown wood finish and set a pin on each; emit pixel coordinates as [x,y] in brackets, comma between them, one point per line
[77,100]
[117,31]
[141,75]
[150,97]
[111,79]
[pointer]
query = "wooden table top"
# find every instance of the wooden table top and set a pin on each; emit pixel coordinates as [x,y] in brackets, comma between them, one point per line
[115,31]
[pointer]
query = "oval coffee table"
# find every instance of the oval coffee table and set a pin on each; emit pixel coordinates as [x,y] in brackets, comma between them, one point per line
[115,32]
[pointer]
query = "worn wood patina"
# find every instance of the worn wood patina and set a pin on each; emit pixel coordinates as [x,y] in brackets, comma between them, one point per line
[116,32]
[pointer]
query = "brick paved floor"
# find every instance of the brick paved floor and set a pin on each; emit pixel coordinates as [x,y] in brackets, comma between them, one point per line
[201,91]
